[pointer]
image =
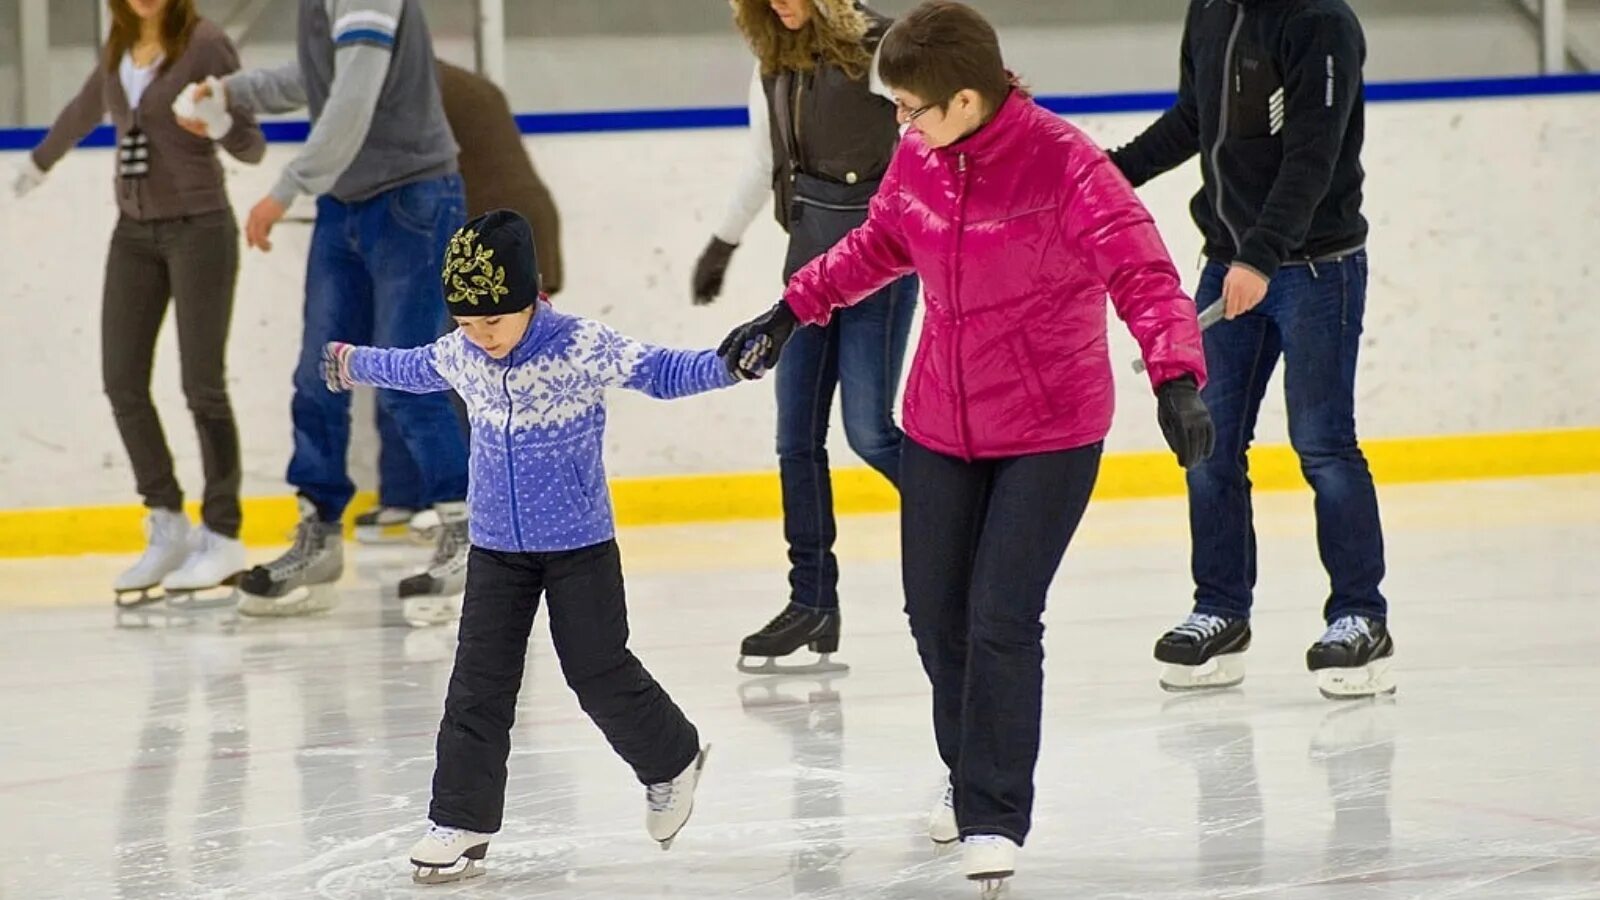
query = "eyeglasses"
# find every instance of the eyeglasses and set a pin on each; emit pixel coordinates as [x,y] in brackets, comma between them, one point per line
[912,114]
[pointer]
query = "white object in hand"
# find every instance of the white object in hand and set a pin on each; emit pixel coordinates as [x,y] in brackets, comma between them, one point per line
[28,176]
[211,109]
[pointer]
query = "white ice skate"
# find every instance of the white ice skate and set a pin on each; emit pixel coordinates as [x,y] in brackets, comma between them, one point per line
[213,561]
[432,609]
[670,803]
[446,855]
[300,582]
[942,829]
[169,543]
[989,859]
[384,525]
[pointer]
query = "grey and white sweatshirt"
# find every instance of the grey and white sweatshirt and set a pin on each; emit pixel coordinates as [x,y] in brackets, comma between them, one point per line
[366,69]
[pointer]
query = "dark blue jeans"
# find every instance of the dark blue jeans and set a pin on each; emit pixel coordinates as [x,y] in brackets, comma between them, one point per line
[1312,318]
[861,351]
[373,278]
[980,545]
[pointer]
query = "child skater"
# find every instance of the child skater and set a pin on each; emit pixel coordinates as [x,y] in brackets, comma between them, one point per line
[534,383]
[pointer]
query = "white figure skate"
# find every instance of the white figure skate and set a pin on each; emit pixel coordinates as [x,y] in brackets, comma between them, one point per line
[446,855]
[990,860]
[213,562]
[168,544]
[942,829]
[670,803]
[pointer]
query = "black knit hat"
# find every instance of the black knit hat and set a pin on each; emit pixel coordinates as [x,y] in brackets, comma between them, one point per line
[492,266]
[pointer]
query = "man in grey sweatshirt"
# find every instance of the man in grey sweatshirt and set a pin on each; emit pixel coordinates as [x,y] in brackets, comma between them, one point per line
[381,161]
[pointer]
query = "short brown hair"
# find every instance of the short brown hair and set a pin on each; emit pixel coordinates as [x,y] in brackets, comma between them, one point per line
[942,48]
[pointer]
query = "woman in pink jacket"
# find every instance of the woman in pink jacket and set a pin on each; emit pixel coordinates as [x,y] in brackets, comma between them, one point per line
[1019,226]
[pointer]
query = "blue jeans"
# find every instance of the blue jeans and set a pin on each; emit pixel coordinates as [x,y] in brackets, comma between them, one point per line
[1312,318]
[373,278]
[861,351]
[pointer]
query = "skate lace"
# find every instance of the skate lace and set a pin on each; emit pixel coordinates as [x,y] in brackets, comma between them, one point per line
[444,834]
[1347,630]
[783,620]
[659,796]
[985,840]
[452,540]
[307,540]
[1201,626]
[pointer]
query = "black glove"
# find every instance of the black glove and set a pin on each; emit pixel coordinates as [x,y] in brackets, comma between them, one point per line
[750,350]
[1185,421]
[708,272]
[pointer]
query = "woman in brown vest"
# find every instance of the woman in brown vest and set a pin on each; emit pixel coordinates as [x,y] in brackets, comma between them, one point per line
[176,240]
[822,132]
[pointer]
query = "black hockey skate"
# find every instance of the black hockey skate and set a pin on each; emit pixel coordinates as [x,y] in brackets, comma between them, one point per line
[1352,659]
[1204,652]
[797,626]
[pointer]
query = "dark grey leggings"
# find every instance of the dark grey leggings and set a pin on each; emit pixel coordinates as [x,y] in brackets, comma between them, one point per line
[194,260]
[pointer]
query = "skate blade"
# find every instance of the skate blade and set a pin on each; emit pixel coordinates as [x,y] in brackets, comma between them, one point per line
[822,666]
[446,874]
[212,596]
[375,535]
[991,885]
[133,598]
[430,611]
[1370,680]
[300,601]
[1222,671]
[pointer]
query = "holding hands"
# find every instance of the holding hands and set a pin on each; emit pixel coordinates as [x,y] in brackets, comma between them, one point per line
[753,348]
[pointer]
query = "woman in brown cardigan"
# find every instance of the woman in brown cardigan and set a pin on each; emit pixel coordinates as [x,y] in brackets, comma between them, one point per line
[176,238]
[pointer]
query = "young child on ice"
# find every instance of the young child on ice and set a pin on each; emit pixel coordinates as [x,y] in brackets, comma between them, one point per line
[534,382]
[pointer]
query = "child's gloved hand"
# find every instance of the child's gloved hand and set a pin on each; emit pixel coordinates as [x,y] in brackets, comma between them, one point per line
[754,347]
[336,366]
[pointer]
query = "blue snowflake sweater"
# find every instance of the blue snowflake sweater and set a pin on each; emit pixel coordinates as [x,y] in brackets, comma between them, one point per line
[538,482]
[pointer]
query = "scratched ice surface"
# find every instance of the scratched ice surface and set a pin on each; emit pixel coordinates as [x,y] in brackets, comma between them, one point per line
[170,756]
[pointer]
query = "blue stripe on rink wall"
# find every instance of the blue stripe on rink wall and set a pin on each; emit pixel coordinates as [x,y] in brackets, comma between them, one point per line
[1088,104]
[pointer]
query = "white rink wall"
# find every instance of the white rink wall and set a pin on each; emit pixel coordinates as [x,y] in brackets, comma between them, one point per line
[1485,218]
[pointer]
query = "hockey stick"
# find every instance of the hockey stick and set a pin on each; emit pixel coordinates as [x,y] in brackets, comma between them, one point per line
[1209,316]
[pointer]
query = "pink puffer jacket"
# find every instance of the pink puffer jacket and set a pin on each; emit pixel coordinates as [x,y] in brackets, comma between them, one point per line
[1018,233]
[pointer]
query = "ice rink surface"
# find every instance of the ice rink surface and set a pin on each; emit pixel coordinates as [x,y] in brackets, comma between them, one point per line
[155,755]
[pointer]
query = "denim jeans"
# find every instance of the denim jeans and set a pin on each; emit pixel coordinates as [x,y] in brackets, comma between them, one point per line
[980,544]
[1312,318]
[373,278]
[861,351]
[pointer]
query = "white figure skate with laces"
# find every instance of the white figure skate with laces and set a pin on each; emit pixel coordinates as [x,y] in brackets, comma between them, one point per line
[446,855]
[670,803]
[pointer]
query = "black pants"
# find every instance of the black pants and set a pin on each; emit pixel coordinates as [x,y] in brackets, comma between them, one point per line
[589,624]
[980,543]
[194,261]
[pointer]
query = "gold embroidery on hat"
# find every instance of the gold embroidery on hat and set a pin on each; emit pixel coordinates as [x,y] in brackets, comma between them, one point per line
[470,273]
